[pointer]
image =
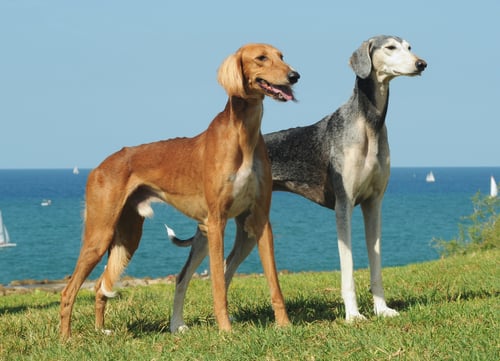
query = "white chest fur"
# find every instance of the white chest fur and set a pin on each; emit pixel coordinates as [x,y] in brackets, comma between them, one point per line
[245,188]
[366,164]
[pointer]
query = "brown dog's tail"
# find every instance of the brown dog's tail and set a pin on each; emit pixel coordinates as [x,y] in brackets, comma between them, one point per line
[177,241]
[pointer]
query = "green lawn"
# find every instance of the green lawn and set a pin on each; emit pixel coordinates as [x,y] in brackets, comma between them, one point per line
[450,310]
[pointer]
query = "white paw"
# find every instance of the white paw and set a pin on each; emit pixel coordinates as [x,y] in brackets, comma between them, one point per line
[179,329]
[386,312]
[107,332]
[354,317]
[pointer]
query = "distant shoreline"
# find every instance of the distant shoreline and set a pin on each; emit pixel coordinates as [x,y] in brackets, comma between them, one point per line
[54,286]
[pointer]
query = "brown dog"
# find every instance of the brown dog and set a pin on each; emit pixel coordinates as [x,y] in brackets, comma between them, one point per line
[222,173]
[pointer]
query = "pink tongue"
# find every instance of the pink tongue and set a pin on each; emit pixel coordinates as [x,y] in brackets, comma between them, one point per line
[286,95]
[283,91]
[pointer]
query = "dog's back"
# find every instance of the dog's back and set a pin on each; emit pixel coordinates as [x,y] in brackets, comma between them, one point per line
[302,157]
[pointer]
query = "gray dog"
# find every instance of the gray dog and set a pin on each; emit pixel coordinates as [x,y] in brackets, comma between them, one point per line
[339,162]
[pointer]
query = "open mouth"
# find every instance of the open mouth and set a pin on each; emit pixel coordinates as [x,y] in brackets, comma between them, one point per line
[279,92]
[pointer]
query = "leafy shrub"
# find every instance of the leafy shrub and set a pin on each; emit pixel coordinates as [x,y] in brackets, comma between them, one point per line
[478,231]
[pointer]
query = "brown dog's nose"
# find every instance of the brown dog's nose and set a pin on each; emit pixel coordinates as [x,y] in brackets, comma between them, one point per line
[421,64]
[293,77]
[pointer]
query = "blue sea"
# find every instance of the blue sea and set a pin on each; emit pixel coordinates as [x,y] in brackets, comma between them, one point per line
[414,212]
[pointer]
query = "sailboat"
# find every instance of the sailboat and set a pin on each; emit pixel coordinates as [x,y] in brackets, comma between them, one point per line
[493,187]
[75,170]
[430,177]
[4,235]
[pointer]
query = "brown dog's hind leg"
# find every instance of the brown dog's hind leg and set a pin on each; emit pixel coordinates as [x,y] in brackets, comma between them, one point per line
[91,253]
[125,243]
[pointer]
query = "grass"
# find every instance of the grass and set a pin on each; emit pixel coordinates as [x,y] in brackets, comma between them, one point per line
[450,310]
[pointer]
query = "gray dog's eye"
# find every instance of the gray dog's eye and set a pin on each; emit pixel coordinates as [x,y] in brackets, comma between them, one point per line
[391,47]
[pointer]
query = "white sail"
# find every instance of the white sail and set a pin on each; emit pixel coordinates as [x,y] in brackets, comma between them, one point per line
[493,187]
[430,177]
[76,170]
[4,234]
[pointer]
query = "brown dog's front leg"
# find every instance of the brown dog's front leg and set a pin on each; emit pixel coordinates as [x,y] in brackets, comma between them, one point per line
[266,252]
[215,235]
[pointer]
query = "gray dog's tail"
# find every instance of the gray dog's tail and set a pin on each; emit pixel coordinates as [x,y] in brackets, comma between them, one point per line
[177,241]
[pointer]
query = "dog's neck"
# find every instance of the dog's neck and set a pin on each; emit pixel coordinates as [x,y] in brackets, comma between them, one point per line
[373,99]
[246,116]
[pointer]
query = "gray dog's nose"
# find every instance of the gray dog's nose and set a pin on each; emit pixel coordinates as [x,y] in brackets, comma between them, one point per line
[421,64]
[293,77]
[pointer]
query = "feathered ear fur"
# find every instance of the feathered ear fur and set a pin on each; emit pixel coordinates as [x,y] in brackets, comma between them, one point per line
[361,61]
[230,76]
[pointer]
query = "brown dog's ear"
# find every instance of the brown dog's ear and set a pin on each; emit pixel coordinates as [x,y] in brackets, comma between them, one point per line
[361,61]
[230,76]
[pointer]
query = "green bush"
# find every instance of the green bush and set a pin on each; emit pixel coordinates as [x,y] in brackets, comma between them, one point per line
[478,231]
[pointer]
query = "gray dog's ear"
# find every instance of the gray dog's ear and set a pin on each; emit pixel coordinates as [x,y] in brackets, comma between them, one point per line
[361,61]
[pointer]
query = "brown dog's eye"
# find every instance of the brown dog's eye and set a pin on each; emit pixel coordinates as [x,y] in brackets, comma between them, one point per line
[262,58]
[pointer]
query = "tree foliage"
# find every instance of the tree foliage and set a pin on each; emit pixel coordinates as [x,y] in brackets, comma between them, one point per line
[477,231]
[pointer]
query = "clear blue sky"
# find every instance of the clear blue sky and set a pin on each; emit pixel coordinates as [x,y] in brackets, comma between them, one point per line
[79,80]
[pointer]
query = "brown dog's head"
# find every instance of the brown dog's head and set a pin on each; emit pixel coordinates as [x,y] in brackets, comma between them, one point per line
[256,70]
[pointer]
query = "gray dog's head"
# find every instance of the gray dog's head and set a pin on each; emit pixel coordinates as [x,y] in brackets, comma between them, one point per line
[388,57]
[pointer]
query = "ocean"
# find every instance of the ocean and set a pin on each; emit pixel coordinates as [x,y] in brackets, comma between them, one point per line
[48,238]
